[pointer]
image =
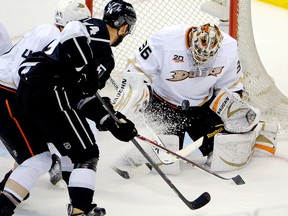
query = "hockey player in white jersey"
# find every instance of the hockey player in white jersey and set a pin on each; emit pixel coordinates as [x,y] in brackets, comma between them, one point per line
[5,41]
[191,81]
[34,40]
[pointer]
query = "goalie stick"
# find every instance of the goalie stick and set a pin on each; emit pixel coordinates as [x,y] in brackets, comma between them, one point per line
[199,202]
[237,179]
[163,156]
[146,168]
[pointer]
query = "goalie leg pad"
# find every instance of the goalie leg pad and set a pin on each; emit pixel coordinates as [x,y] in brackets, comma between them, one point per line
[237,115]
[232,151]
[266,142]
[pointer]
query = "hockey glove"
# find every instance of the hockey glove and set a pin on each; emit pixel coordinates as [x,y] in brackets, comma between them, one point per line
[124,131]
[237,115]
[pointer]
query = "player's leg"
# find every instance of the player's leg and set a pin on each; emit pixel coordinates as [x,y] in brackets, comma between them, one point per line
[67,167]
[234,151]
[83,151]
[22,180]
[13,137]
[33,159]
[202,121]
[11,133]
[70,132]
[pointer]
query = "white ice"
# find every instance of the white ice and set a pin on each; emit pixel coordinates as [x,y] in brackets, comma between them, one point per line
[266,189]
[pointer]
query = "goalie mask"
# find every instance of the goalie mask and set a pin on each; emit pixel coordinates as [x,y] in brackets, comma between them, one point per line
[118,13]
[205,42]
[70,10]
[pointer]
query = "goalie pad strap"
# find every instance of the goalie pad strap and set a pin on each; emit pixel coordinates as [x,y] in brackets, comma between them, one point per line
[265,148]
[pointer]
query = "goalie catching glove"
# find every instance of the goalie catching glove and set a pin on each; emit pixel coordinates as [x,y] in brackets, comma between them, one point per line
[124,130]
[237,115]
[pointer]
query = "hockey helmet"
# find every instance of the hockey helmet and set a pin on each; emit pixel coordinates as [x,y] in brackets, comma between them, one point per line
[70,10]
[205,42]
[119,12]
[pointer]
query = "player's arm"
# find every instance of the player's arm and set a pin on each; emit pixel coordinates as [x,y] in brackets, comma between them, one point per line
[93,109]
[74,44]
[75,49]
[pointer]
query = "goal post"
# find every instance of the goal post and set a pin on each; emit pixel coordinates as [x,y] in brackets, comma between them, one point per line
[89,4]
[152,15]
[233,19]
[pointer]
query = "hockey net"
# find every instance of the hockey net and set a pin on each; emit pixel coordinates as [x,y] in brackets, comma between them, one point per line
[152,15]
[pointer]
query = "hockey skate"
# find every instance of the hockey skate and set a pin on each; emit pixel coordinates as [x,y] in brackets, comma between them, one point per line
[6,212]
[96,211]
[6,206]
[55,171]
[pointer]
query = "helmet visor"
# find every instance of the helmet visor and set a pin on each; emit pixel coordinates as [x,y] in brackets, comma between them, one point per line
[131,21]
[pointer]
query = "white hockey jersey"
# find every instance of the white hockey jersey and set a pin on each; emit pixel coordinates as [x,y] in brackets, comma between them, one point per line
[33,41]
[5,41]
[167,62]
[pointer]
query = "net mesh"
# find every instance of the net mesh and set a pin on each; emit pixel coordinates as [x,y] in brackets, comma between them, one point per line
[260,88]
[152,15]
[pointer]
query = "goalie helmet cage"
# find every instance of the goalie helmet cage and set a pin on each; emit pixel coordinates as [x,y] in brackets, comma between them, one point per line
[152,15]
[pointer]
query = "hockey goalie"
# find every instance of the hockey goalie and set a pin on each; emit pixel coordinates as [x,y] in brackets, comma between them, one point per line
[188,79]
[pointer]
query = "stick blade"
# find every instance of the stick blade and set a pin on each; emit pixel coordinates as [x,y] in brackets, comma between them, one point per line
[201,201]
[124,174]
[238,180]
[141,170]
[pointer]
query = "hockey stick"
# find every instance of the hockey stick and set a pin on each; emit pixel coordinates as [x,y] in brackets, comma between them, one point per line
[199,202]
[146,168]
[163,156]
[237,179]
[113,82]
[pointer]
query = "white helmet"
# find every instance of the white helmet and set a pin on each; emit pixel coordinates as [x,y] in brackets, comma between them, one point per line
[70,10]
[205,43]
